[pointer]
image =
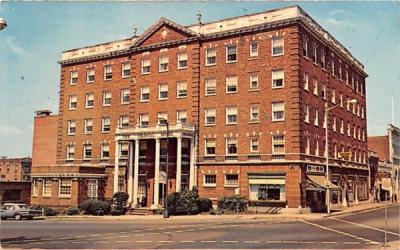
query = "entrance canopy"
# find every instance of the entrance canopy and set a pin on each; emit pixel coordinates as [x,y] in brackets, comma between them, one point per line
[318,183]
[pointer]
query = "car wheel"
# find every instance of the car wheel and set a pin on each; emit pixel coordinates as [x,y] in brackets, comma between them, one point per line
[17,217]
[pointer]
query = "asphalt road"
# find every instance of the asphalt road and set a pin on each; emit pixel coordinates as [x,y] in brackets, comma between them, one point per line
[353,231]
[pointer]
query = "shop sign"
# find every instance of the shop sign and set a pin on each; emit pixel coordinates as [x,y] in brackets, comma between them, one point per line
[386,183]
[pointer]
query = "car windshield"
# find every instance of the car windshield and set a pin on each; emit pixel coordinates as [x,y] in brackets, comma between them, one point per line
[23,207]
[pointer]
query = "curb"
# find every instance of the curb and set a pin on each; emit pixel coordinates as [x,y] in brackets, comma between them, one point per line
[359,210]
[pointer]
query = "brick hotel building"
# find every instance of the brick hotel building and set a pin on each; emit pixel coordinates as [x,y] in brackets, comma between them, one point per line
[244,99]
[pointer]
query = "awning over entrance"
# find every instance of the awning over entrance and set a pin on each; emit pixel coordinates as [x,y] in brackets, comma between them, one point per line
[318,183]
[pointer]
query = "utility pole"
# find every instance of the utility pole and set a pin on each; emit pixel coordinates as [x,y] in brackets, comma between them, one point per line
[385,220]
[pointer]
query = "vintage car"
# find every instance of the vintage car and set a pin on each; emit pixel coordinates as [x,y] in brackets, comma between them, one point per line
[18,211]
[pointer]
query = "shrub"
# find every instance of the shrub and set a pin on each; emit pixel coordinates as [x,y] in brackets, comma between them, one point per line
[119,201]
[115,212]
[95,207]
[72,211]
[182,203]
[204,205]
[234,203]
[48,211]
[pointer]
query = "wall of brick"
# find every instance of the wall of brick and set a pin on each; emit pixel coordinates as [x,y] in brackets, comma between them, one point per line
[44,147]
[380,144]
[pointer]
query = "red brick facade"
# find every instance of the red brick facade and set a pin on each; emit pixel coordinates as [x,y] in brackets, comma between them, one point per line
[380,144]
[260,102]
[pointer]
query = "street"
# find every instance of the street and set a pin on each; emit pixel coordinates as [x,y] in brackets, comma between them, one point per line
[357,231]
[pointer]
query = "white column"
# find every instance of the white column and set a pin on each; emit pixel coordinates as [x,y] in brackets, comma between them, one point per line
[130,173]
[136,174]
[178,164]
[192,162]
[116,167]
[157,174]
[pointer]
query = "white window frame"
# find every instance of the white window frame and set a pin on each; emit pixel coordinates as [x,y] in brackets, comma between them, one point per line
[315,85]
[277,42]
[125,96]
[161,117]
[255,142]
[73,99]
[145,63]
[213,55]
[210,141]
[253,78]
[181,114]
[231,111]
[235,184]
[103,149]
[231,141]
[333,96]
[316,118]
[60,194]
[95,191]
[90,72]
[253,53]
[306,113]
[205,184]
[107,71]
[35,187]
[144,118]
[208,113]
[89,97]
[185,58]
[45,191]
[105,97]
[228,53]
[277,140]
[254,110]
[306,81]
[125,67]
[70,150]
[213,83]
[231,81]
[163,60]
[85,155]
[144,90]
[87,122]
[163,88]
[73,79]
[276,109]
[103,124]
[278,74]
[123,121]
[181,89]
[71,124]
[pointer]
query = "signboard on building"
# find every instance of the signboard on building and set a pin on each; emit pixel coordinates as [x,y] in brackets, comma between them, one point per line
[386,184]
[344,155]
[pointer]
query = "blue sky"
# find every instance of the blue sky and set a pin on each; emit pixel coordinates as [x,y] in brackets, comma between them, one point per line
[38,32]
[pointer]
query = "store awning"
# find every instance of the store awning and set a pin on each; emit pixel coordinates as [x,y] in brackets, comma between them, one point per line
[318,183]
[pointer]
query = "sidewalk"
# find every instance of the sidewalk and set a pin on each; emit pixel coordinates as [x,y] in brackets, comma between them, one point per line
[230,217]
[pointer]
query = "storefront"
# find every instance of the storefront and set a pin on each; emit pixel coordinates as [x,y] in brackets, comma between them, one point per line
[316,188]
[267,187]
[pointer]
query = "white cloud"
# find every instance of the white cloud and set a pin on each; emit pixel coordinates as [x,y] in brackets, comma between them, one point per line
[336,12]
[11,44]
[7,130]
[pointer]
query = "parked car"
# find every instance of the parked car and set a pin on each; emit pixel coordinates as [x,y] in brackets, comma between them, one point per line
[18,211]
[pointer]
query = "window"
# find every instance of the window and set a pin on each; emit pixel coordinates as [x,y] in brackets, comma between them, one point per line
[105,125]
[306,113]
[182,60]
[92,189]
[211,86]
[210,146]
[123,121]
[125,70]
[73,78]
[89,100]
[315,54]
[254,114]
[254,49]
[315,83]
[163,63]
[341,100]
[278,144]
[181,89]
[231,180]
[316,119]
[105,151]
[70,152]
[340,72]
[305,78]
[88,126]
[342,127]
[362,112]
[277,46]
[144,94]
[47,186]
[210,180]
[72,102]
[125,94]
[307,149]
[278,78]
[107,72]
[210,114]
[106,98]
[144,120]
[333,66]
[278,111]
[181,116]
[65,187]
[231,146]
[89,75]
[323,60]
[146,66]
[348,129]
[87,151]
[71,127]
[254,81]
[347,77]
[231,115]
[334,124]
[231,84]
[162,117]
[323,93]
[211,56]
[162,91]
[254,145]
[333,96]
[231,53]
[305,46]
[317,147]
[34,187]
[123,150]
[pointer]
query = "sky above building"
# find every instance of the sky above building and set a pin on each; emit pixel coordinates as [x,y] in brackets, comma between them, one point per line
[37,33]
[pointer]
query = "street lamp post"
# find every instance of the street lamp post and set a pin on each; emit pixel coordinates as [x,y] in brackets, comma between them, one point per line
[3,23]
[327,109]
[166,215]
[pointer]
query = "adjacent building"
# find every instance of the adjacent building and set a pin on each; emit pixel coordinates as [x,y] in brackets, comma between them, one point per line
[235,106]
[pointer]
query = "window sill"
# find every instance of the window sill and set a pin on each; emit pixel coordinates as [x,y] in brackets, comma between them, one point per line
[144,101]
[124,103]
[181,97]
[210,65]
[90,82]
[229,124]
[90,107]
[209,186]
[105,132]
[254,90]
[87,133]
[209,125]
[228,93]
[231,186]
[73,84]
[280,87]
[278,120]
[104,106]
[124,77]
[107,80]
[277,55]
[182,68]
[210,95]
[254,122]
[231,62]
